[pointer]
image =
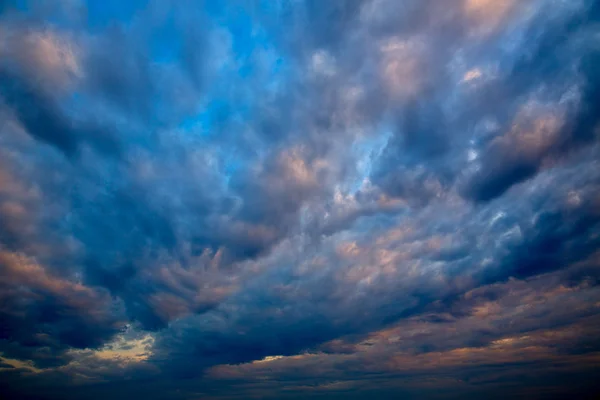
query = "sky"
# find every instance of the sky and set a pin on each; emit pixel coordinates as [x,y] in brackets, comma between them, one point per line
[292,199]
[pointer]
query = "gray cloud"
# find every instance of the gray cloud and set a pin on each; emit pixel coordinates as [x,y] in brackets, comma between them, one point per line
[261,191]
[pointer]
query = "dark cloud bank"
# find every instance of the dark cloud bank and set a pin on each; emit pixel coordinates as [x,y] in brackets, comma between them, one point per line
[299,199]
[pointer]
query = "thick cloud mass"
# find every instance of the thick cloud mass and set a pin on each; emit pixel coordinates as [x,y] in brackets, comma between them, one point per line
[298,199]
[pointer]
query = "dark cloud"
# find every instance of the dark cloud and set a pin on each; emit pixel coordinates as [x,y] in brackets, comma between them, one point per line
[555,56]
[42,118]
[298,199]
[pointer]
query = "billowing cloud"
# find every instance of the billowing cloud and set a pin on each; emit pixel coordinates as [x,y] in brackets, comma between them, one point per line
[299,199]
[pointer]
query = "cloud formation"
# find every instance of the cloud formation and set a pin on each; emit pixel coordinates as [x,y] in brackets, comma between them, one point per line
[292,199]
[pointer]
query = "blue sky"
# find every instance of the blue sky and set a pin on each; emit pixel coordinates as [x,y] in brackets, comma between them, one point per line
[297,199]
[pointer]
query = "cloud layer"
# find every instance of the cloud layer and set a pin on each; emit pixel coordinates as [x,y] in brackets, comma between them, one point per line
[292,199]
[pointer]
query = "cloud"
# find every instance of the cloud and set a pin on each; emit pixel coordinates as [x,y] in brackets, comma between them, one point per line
[365,198]
[464,342]
[43,316]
